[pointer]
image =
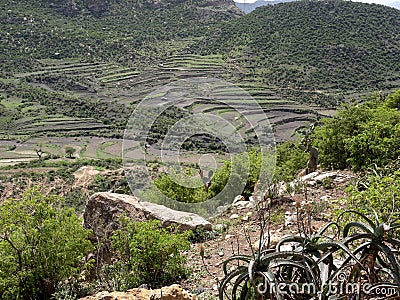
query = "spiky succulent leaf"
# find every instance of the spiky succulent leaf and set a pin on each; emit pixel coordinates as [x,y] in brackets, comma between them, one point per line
[364,227]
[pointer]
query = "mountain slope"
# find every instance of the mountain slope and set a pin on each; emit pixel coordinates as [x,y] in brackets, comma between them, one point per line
[330,46]
[99,29]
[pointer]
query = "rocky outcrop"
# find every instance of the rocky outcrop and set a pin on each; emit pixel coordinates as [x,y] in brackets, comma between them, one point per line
[173,292]
[103,210]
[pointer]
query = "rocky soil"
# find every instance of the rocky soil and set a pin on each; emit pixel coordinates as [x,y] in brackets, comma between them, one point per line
[237,231]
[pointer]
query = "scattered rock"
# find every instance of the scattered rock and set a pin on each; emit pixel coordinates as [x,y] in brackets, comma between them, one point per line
[325,175]
[274,240]
[228,236]
[220,227]
[325,198]
[103,210]
[237,199]
[245,218]
[234,216]
[290,218]
[173,292]
[240,204]
[309,176]
[200,289]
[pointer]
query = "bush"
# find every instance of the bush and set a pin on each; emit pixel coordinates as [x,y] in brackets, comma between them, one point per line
[377,192]
[178,192]
[40,246]
[290,159]
[222,175]
[149,254]
[361,135]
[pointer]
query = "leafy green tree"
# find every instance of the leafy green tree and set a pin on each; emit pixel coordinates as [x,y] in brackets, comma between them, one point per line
[177,191]
[361,135]
[70,151]
[250,166]
[41,245]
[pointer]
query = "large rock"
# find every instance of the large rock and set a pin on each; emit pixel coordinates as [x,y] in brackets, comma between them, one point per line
[103,210]
[173,292]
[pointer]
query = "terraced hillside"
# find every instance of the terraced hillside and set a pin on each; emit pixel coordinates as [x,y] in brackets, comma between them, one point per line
[71,79]
[64,103]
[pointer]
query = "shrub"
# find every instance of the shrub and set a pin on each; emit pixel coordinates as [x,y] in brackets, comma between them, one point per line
[41,246]
[361,135]
[244,167]
[290,159]
[238,177]
[149,254]
[377,192]
[177,191]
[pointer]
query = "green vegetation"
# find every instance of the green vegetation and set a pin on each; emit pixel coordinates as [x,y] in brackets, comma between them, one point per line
[379,191]
[361,135]
[149,254]
[290,159]
[315,51]
[41,246]
[243,170]
[70,151]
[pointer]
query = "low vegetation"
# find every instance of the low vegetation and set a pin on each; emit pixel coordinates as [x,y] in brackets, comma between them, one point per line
[366,250]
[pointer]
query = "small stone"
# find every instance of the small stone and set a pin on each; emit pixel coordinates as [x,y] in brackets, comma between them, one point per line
[228,236]
[325,198]
[219,227]
[238,198]
[221,253]
[215,287]
[250,205]
[234,216]
[245,218]
[241,204]
[200,289]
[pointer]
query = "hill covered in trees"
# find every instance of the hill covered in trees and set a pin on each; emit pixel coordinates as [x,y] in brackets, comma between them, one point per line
[328,46]
[99,29]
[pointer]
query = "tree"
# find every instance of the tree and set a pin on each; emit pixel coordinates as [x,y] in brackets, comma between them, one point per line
[39,151]
[70,151]
[361,135]
[41,245]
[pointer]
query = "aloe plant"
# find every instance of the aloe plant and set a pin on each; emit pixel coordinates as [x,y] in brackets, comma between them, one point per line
[371,255]
[376,248]
[256,277]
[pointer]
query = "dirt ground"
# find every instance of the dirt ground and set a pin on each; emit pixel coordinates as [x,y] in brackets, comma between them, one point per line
[237,231]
